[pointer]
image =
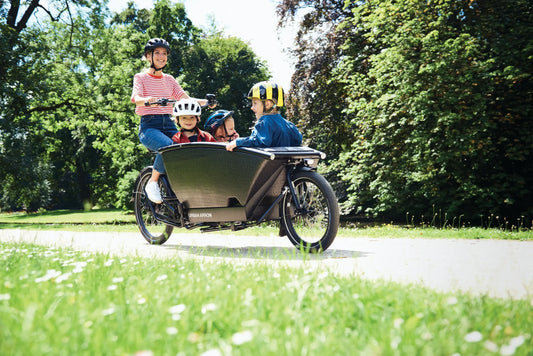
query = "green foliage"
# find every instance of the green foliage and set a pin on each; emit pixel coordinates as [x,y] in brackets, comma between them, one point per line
[68,131]
[438,99]
[227,67]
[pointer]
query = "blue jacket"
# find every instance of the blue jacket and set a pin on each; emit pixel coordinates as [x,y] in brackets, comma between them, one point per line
[272,131]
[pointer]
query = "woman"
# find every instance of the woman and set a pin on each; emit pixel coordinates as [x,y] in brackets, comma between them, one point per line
[157,127]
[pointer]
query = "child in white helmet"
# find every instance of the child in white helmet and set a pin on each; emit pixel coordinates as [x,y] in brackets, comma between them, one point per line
[187,112]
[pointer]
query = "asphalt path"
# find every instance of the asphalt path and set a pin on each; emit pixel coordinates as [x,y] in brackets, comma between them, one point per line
[496,268]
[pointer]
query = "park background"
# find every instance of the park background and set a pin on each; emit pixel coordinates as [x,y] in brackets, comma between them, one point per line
[424,108]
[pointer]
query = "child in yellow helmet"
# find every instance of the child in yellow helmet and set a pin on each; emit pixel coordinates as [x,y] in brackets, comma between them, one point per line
[271,129]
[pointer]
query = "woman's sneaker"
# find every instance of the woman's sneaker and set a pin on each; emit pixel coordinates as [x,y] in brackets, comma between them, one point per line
[153,192]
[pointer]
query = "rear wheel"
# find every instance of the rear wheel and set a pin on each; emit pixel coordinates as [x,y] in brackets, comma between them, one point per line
[314,226]
[154,231]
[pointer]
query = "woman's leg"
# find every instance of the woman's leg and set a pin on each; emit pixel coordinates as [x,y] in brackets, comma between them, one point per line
[154,139]
[155,133]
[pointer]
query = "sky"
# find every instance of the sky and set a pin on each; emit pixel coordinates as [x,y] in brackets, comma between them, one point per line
[253,21]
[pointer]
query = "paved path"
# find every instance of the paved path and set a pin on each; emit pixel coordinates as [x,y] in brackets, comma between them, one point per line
[497,268]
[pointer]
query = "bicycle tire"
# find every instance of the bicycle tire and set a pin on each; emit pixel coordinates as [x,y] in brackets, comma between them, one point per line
[314,227]
[153,231]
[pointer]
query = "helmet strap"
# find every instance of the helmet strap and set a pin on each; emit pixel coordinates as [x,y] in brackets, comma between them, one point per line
[226,132]
[269,110]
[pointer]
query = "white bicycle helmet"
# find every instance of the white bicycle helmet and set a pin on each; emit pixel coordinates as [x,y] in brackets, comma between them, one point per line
[187,107]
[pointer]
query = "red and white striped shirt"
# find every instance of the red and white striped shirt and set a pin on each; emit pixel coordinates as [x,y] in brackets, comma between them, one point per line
[145,84]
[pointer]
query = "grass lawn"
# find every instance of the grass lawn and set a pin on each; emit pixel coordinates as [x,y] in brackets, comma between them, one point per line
[64,302]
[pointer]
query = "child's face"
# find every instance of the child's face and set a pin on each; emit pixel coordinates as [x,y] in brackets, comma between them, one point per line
[220,133]
[257,106]
[188,122]
[158,57]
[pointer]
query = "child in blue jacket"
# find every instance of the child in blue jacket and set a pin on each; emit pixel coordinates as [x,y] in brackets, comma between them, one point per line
[271,129]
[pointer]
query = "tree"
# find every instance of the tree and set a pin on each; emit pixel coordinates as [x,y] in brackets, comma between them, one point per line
[440,112]
[316,101]
[432,103]
[68,132]
[25,172]
[228,67]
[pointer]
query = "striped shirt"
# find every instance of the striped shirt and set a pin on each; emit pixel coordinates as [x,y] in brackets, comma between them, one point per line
[145,85]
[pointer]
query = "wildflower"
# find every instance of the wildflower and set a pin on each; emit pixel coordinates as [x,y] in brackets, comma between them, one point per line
[452,300]
[514,343]
[172,330]
[63,277]
[78,267]
[517,341]
[489,345]
[108,263]
[398,322]
[250,323]
[5,297]
[212,352]
[177,309]
[474,336]
[141,300]
[108,311]
[208,307]
[395,342]
[51,273]
[162,277]
[112,287]
[144,353]
[117,279]
[242,337]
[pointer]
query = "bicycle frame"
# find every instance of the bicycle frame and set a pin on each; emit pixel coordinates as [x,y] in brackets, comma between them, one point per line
[215,200]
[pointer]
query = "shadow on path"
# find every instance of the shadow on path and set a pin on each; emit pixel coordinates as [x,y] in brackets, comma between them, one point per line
[262,252]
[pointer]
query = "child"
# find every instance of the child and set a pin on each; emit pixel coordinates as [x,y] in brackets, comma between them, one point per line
[188,113]
[221,126]
[271,129]
[157,127]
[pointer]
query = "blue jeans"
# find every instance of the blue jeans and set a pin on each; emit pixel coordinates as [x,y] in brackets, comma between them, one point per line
[155,132]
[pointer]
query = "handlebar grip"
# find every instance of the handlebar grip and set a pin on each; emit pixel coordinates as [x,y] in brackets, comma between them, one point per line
[210,98]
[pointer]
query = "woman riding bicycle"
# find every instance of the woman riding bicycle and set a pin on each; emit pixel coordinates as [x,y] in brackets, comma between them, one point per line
[156,128]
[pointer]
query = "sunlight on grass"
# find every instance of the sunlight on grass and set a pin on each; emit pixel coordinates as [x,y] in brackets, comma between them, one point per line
[120,221]
[59,301]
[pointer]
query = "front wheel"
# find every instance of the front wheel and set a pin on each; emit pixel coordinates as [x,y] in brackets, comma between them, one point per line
[313,226]
[153,231]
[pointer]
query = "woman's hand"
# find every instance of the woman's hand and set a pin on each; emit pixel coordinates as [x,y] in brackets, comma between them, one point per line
[203,102]
[141,101]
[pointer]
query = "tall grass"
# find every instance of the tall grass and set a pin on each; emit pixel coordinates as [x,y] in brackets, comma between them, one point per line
[441,220]
[63,302]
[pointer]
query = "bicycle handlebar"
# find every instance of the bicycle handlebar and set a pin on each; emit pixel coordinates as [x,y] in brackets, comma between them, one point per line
[164,101]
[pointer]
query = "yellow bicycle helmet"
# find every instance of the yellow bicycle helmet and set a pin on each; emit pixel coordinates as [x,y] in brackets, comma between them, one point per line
[267,91]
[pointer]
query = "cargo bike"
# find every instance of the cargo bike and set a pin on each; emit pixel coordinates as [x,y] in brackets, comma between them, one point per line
[208,188]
